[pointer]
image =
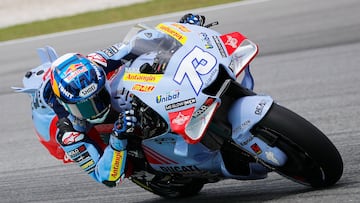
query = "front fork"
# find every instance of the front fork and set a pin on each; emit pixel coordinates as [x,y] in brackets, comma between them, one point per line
[243,115]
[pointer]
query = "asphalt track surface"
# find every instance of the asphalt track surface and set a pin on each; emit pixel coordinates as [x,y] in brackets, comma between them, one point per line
[309,62]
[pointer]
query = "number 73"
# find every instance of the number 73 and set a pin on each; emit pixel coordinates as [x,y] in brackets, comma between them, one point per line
[196,63]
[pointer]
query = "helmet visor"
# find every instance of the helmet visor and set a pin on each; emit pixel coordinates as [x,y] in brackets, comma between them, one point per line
[92,108]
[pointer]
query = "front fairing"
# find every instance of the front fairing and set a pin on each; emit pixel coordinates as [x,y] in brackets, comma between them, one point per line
[189,62]
[173,63]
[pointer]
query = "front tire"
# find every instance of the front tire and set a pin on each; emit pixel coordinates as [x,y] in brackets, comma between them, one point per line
[312,158]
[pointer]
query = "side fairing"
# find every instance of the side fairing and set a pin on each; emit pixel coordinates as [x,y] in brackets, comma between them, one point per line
[161,152]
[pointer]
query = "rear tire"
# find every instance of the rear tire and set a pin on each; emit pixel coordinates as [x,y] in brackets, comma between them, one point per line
[312,158]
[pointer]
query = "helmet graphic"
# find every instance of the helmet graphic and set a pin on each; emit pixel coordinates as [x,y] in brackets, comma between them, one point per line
[79,85]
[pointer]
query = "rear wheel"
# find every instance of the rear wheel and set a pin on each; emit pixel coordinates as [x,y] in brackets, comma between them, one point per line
[312,158]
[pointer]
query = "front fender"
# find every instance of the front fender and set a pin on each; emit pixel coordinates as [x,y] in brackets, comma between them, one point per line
[243,115]
[247,111]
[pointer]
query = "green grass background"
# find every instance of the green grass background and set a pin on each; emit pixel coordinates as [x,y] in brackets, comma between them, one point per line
[139,10]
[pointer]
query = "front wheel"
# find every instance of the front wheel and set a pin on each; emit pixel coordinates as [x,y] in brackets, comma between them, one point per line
[312,158]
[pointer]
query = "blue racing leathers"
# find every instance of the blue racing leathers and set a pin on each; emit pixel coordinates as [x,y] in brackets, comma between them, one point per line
[106,166]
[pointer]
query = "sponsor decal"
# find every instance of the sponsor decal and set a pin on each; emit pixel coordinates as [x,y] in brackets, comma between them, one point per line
[241,127]
[74,70]
[179,120]
[181,27]
[256,148]
[172,95]
[89,90]
[232,41]
[141,77]
[173,33]
[247,141]
[211,77]
[98,74]
[219,46]
[180,169]
[72,137]
[83,158]
[88,164]
[65,92]
[259,108]
[143,88]
[76,152]
[180,104]
[271,157]
[116,165]
[148,34]
[111,51]
[206,39]
[203,107]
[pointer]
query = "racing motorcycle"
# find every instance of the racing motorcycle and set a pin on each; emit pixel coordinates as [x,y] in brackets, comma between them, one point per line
[199,119]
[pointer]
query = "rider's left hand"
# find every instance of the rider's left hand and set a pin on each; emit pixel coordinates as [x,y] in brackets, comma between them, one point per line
[123,128]
[193,19]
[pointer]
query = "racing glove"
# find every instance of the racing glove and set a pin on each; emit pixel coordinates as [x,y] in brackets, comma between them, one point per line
[67,134]
[193,19]
[123,128]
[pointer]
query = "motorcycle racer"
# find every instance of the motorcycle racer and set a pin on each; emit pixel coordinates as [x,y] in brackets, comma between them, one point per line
[82,98]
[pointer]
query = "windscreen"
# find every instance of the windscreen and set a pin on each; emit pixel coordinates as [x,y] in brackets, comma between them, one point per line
[151,42]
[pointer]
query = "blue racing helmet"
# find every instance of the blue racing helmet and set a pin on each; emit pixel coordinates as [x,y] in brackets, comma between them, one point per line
[79,86]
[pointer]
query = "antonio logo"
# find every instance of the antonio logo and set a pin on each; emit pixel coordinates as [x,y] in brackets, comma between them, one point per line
[117,165]
[141,77]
